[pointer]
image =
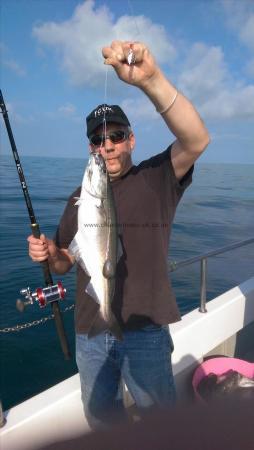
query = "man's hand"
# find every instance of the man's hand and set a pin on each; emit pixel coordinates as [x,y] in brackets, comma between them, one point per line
[60,261]
[41,249]
[137,74]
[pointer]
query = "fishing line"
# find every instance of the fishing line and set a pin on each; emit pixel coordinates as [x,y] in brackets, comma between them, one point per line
[104,124]
[104,133]
[131,61]
[138,33]
[134,17]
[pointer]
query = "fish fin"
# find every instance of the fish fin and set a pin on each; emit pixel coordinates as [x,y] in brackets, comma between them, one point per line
[78,200]
[98,326]
[91,291]
[115,329]
[74,250]
[98,203]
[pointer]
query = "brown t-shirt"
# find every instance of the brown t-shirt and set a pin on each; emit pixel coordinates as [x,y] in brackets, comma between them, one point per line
[146,199]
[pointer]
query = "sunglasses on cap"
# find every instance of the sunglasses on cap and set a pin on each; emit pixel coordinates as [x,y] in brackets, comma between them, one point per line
[115,136]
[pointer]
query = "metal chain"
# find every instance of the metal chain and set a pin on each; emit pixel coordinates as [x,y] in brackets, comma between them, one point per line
[34,323]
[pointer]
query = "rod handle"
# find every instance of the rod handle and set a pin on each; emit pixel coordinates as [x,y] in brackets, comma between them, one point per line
[44,264]
[54,305]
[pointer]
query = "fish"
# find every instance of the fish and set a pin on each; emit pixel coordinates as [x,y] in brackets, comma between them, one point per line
[96,246]
[230,383]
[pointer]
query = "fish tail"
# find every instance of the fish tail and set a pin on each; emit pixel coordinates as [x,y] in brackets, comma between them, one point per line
[116,330]
[100,324]
[74,249]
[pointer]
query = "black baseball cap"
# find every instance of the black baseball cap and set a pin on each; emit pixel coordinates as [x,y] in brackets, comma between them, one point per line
[112,113]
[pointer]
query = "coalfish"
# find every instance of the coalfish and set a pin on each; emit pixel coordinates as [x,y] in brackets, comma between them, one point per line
[95,245]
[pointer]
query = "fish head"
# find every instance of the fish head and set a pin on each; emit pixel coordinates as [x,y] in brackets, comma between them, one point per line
[96,177]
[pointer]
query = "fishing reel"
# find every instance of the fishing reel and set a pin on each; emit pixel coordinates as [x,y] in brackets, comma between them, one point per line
[43,296]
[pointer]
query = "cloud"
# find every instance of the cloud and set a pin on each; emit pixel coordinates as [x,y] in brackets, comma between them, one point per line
[247,33]
[14,67]
[80,39]
[10,63]
[238,12]
[139,109]
[203,72]
[205,78]
[18,118]
[67,110]
[203,75]
[228,105]
[240,18]
[3,48]
[250,67]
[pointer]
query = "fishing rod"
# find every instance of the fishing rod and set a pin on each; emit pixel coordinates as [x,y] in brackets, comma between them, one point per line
[51,293]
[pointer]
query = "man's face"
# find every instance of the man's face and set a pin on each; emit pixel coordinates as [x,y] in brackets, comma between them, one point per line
[117,155]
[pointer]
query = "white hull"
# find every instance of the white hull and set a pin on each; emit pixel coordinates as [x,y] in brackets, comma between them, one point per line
[57,413]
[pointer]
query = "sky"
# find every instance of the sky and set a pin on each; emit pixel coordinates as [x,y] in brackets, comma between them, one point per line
[52,71]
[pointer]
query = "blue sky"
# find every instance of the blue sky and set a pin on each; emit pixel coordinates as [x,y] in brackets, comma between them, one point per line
[52,71]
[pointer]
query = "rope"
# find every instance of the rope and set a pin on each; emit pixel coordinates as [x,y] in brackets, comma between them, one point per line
[24,326]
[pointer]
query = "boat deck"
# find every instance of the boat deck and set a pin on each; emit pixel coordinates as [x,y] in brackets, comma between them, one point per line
[58,411]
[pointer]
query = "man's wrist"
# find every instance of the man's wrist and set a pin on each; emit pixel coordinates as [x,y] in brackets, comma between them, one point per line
[55,257]
[160,91]
[151,84]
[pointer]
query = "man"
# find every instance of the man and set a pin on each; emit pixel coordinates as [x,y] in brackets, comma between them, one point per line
[146,197]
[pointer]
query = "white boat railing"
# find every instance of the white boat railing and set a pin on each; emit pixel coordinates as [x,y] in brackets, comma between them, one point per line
[173,265]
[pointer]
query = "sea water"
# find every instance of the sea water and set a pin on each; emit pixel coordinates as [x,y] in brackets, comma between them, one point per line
[216,210]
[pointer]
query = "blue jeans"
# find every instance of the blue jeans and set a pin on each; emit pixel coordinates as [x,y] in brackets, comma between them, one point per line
[142,360]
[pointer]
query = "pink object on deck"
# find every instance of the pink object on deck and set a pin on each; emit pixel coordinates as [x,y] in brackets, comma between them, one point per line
[218,366]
